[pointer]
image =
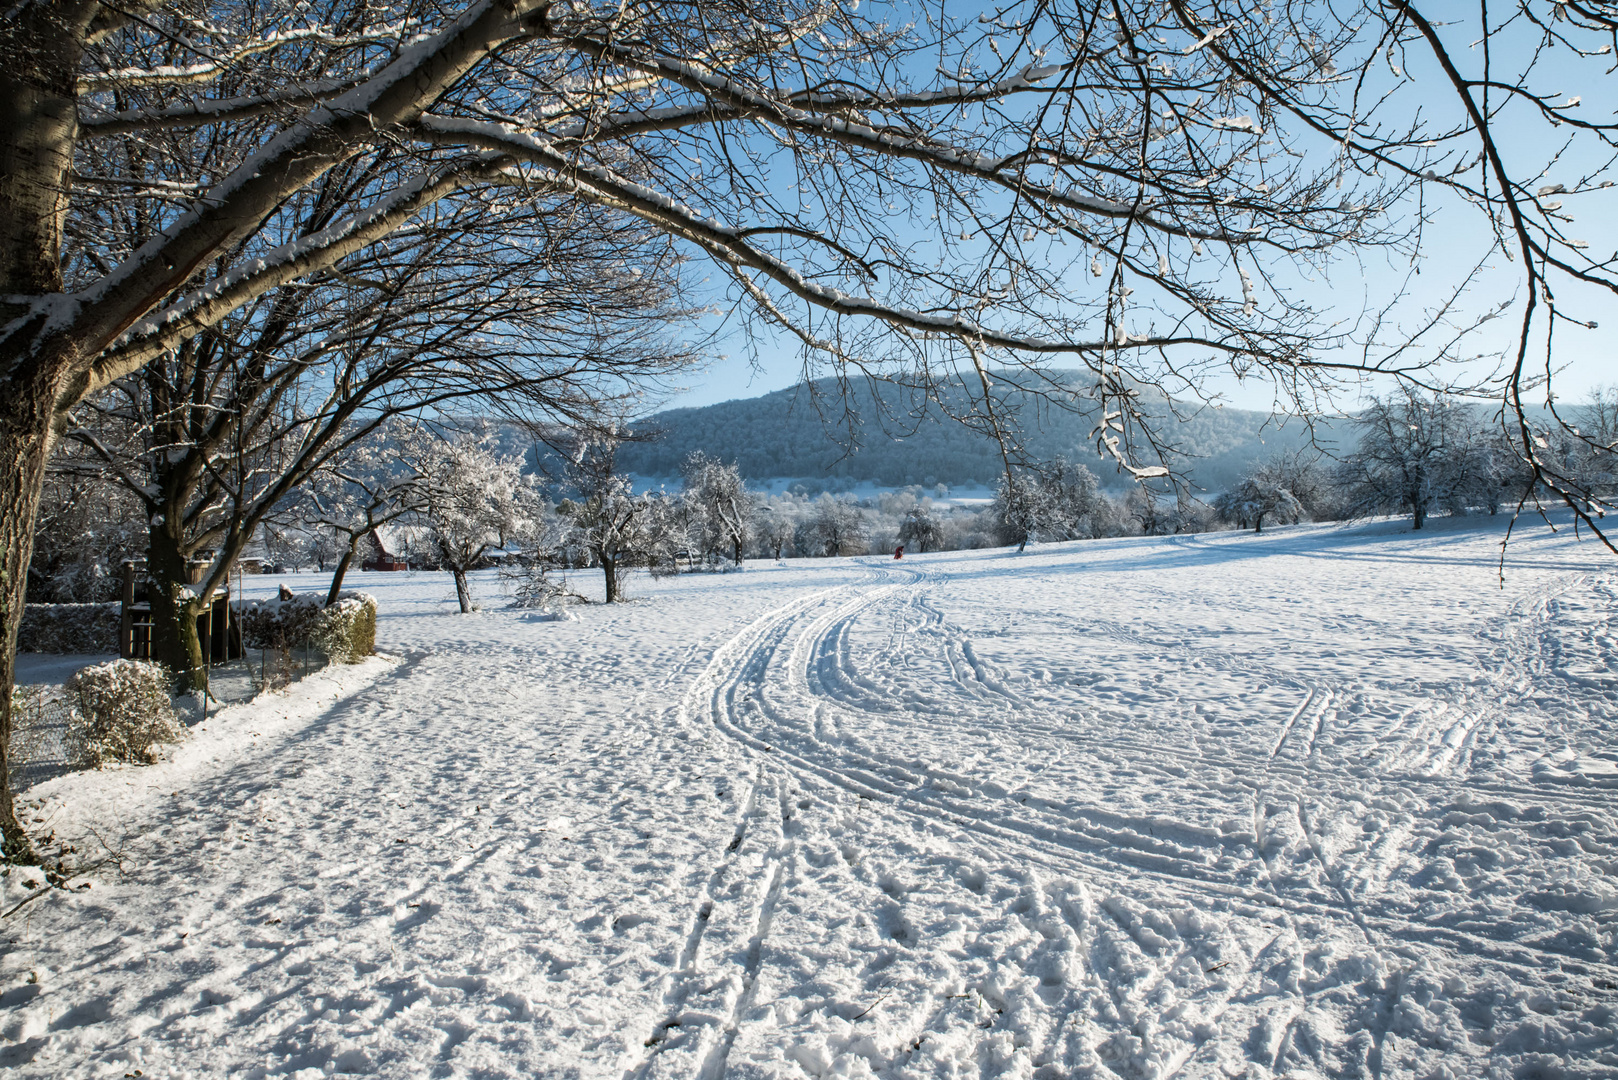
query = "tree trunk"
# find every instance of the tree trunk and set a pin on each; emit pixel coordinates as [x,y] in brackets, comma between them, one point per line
[609,568]
[175,642]
[463,591]
[1419,512]
[42,45]
[342,568]
[25,417]
[738,541]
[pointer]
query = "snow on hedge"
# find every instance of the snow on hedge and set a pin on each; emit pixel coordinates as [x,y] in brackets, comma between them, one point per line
[120,712]
[344,631]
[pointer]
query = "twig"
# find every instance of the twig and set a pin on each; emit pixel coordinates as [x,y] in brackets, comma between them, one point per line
[30,897]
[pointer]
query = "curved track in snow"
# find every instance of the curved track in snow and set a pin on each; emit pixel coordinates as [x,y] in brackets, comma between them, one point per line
[873,694]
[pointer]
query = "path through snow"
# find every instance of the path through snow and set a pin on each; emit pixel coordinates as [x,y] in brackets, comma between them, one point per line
[1318,803]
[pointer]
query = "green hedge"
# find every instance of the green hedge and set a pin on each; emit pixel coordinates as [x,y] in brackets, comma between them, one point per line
[344,631]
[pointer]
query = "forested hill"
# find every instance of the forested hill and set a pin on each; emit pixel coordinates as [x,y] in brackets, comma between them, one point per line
[784,434]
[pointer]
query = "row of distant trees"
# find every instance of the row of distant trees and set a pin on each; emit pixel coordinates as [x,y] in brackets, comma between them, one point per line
[454,500]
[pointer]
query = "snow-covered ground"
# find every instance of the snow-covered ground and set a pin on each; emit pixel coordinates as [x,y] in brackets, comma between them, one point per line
[1320,803]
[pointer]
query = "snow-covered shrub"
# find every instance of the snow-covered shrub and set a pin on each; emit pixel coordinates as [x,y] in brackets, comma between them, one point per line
[535,585]
[344,631]
[280,624]
[69,628]
[120,711]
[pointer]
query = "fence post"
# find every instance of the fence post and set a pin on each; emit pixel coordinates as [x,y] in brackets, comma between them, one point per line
[126,618]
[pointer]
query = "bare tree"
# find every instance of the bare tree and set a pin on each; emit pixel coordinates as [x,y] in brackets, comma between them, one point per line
[473,498]
[1157,513]
[215,436]
[1416,453]
[366,489]
[1597,428]
[1284,489]
[721,505]
[834,528]
[1257,498]
[774,525]
[922,528]
[88,525]
[621,530]
[913,195]
[1059,500]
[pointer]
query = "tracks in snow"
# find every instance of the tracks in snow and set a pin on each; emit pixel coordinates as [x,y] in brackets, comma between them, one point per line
[810,694]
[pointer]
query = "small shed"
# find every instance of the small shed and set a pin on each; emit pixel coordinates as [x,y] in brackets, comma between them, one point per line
[381,558]
[221,636]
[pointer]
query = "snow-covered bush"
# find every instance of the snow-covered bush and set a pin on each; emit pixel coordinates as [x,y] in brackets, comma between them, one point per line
[535,580]
[344,631]
[120,711]
[278,623]
[69,628]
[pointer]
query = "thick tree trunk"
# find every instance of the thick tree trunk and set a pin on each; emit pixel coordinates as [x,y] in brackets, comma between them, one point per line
[342,568]
[609,569]
[42,44]
[463,591]
[25,419]
[175,643]
[738,543]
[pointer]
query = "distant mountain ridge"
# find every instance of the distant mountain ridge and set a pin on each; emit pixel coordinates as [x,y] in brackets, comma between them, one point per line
[901,439]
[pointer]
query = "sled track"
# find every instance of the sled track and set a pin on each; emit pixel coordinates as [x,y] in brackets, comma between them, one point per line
[742,704]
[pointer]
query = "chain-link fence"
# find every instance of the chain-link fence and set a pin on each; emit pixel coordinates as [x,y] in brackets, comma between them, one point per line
[39,749]
[39,718]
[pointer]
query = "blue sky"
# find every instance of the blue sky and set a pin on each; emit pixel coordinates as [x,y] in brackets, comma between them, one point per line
[1455,239]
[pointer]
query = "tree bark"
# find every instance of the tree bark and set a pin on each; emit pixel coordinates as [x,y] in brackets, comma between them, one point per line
[342,569]
[609,569]
[25,414]
[42,44]
[463,591]
[175,643]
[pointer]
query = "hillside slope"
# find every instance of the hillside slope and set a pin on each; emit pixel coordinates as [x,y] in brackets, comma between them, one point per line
[898,440]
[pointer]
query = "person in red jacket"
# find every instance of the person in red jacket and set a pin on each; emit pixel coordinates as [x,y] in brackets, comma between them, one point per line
[899,552]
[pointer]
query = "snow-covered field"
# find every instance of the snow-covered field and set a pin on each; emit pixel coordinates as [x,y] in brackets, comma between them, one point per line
[1322,803]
